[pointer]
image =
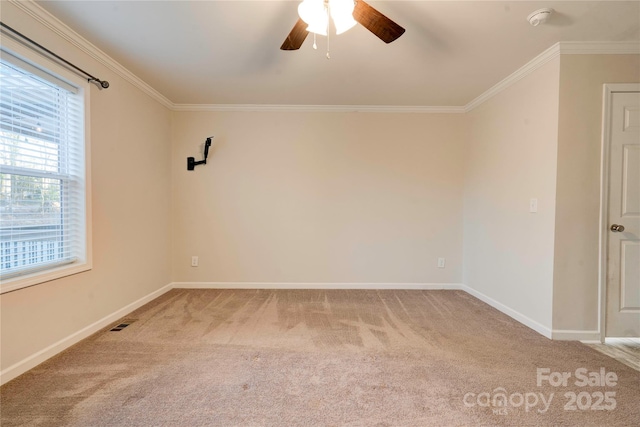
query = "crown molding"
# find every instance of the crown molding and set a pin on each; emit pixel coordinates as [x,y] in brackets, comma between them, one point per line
[319,108]
[560,48]
[52,23]
[599,48]
[569,48]
[528,68]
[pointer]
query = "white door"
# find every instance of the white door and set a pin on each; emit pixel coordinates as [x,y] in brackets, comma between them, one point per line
[623,228]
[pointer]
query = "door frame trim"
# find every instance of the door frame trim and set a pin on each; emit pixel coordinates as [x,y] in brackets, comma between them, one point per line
[608,91]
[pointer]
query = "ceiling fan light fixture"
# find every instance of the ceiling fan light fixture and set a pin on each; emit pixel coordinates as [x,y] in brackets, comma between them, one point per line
[342,14]
[345,15]
[315,13]
[318,26]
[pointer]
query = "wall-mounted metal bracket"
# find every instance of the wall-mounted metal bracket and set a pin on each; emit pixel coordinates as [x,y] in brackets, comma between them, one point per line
[191,161]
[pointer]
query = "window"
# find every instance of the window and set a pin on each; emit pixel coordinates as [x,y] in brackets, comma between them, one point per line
[43,209]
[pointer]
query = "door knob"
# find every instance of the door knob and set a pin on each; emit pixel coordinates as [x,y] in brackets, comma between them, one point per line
[618,228]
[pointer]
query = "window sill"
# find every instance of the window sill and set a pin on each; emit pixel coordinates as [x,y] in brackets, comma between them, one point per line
[33,279]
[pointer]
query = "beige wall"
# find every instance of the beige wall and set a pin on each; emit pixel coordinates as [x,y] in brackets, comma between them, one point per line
[575,295]
[337,198]
[318,197]
[510,158]
[130,144]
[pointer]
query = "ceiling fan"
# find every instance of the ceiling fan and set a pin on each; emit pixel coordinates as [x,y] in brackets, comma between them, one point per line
[384,28]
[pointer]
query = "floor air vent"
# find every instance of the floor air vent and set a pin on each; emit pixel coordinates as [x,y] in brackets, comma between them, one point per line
[122,325]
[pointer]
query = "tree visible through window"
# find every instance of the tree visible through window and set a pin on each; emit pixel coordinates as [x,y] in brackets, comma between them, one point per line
[42,210]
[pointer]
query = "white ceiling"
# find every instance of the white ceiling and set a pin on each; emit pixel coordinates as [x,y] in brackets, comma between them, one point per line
[227,52]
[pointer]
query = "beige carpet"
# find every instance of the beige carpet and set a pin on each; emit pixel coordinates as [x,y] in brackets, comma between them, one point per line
[321,358]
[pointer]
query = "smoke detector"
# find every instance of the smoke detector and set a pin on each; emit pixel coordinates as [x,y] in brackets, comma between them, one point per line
[540,16]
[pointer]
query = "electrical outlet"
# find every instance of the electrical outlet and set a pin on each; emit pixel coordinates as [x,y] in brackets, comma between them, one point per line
[194,261]
[441,262]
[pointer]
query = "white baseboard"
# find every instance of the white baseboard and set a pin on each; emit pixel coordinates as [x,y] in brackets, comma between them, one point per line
[527,321]
[313,285]
[569,335]
[35,359]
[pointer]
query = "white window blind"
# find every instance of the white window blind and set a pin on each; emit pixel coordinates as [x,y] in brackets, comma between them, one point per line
[42,177]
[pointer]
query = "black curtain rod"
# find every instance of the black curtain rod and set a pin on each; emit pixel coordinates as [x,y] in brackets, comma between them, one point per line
[103,83]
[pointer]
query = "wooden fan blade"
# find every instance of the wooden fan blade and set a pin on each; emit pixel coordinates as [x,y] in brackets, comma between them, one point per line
[384,28]
[296,37]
